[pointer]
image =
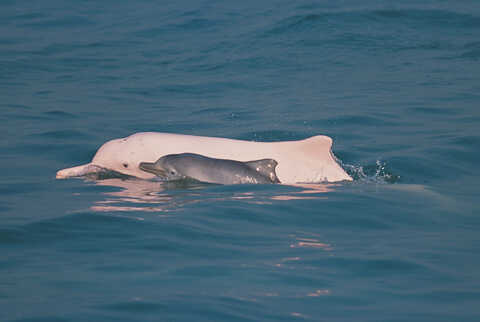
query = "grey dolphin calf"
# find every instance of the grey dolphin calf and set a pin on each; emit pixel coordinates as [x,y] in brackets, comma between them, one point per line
[210,170]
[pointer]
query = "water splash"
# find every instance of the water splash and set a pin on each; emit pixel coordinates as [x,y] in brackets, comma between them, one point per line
[372,173]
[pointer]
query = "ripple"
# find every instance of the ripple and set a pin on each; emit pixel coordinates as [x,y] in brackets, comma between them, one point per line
[272,136]
[440,18]
[377,267]
[43,318]
[57,114]
[63,22]
[136,306]
[63,134]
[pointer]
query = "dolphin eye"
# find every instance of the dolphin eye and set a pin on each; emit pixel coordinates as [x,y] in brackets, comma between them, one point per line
[125,165]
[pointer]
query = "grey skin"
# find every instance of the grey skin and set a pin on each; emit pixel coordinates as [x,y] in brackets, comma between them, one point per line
[210,170]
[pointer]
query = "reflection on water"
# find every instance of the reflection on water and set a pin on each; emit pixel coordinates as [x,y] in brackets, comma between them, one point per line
[310,242]
[319,293]
[300,248]
[156,196]
[307,188]
[143,195]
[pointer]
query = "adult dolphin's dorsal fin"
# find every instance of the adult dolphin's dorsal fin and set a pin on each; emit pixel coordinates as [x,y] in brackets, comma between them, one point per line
[265,167]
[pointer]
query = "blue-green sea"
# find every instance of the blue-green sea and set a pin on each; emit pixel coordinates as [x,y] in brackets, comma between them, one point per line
[396,84]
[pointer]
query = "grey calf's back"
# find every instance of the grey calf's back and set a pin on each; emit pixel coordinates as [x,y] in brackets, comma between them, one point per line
[223,171]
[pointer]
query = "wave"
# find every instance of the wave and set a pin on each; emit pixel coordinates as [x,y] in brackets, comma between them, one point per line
[372,173]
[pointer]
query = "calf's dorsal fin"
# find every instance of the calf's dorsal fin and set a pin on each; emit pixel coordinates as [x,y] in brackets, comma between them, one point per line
[265,167]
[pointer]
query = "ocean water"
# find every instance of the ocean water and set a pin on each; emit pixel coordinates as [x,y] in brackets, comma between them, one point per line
[395,84]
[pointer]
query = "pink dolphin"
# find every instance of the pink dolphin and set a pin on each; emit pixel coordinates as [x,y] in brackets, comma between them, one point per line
[304,161]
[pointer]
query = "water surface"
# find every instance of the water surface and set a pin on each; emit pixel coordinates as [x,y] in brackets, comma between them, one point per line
[396,85]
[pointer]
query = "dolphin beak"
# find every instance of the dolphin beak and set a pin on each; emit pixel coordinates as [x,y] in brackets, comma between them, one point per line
[151,168]
[79,171]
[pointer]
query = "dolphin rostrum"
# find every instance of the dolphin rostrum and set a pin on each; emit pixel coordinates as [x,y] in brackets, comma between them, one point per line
[210,170]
